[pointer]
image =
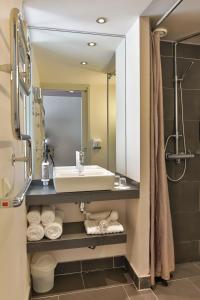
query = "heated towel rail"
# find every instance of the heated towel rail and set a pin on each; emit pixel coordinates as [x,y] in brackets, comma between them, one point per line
[20,75]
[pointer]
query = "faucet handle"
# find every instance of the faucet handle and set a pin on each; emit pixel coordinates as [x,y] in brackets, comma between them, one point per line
[81,153]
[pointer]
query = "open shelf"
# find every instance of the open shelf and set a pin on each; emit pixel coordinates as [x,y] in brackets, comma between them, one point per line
[37,194]
[74,236]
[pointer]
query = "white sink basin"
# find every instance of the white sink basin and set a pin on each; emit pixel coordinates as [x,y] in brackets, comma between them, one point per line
[93,178]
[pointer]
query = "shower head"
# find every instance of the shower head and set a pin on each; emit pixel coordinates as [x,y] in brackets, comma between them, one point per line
[162,31]
[186,71]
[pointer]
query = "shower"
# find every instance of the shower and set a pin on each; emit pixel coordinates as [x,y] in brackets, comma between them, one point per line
[178,156]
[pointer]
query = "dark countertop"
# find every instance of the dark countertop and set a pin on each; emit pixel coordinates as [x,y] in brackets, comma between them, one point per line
[37,194]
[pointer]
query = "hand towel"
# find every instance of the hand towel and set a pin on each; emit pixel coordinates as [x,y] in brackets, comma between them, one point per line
[54,230]
[48,214]
[35,232]
[92,227]
[110,215]
[34,215]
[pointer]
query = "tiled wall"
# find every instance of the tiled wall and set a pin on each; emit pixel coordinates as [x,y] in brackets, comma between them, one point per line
[184,196]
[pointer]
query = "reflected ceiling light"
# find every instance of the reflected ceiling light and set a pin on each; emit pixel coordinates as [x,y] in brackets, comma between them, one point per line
[71,92]
[84,63]
[92,44]
[101,20]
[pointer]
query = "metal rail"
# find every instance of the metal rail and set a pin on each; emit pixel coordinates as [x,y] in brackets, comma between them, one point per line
[164,17]
[31,27]
[19,69]
[6,202]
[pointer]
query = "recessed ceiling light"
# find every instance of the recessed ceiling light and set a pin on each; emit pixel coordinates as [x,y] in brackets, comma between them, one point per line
[84,63]
[92,44]
[71,92]
[101,20]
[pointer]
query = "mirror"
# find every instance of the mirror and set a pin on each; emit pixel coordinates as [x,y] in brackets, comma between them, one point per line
[77,107]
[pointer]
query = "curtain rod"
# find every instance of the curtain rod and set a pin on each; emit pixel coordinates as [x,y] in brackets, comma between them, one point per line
[164,17]
[76,31]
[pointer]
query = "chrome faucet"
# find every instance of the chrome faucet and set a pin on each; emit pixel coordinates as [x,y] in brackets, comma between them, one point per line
[80,161]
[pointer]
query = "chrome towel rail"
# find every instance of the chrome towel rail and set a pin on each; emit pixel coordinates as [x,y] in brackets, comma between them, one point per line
[19,68]
[7,202]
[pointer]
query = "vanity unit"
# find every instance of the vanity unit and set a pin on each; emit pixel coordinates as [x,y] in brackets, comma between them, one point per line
[74,235]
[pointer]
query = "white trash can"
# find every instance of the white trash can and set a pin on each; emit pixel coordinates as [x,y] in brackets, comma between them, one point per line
[42,271]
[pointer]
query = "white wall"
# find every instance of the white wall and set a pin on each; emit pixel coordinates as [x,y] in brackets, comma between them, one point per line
[138,210]
[128,104]
[133,102]
[121,108]
[14,276]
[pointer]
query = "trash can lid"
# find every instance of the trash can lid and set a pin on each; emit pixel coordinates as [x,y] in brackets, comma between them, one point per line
[43,261]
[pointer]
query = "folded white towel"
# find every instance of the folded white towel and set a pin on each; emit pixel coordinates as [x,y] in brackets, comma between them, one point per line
[35,232]
[92,227]
[34,215]
[48,214]
[54,230]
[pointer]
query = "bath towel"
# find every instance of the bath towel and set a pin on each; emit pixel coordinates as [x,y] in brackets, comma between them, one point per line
[48,214]
[34,215]
[92,227]
[35,232]
[54,230]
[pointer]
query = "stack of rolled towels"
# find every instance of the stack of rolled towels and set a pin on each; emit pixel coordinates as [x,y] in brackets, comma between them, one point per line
[103,222]
[44,221]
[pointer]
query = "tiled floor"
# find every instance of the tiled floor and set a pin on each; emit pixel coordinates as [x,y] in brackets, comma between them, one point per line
[116,284]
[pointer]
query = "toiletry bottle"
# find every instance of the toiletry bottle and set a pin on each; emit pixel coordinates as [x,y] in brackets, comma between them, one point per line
[45,172]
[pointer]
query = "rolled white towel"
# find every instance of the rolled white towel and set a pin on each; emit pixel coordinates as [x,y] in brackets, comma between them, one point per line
[54,230]
[35,232]
[48,214]
[92,227]
[34,215]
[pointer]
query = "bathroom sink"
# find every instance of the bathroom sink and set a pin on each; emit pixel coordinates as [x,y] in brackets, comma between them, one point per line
[92,178]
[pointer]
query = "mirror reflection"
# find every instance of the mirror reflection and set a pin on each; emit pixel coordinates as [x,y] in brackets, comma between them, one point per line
[76,109]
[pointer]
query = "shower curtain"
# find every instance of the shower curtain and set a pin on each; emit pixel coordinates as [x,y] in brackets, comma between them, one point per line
[161,236]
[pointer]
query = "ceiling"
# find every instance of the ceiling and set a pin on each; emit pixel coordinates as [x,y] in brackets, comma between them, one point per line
[184,20]
[72,48]
[80,15]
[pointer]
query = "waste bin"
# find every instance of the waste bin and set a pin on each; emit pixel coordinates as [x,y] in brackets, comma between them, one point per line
[42,271]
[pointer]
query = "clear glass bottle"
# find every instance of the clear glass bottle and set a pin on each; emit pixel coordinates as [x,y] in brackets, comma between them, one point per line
[45,172]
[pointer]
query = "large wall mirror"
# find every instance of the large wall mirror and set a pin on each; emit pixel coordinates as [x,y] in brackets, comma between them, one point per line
[80,75]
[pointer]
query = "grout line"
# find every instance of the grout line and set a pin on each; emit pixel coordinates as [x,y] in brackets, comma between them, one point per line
[45,297]
[196,264]
[64,274]
[181,57]
[126,293]
[184,89]
[81,266]
[154,294]
[83,281]
[88,271]
[194,285]
[87,290]
[178,279]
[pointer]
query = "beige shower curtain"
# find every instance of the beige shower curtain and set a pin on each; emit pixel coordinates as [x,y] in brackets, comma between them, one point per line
[161,236]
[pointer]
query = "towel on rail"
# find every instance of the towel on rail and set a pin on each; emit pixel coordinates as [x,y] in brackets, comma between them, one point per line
[34,215]
[35,232]
[93,227]
[48,214]
[54,230]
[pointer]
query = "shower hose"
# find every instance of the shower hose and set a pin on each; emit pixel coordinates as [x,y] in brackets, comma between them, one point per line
[184,140]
